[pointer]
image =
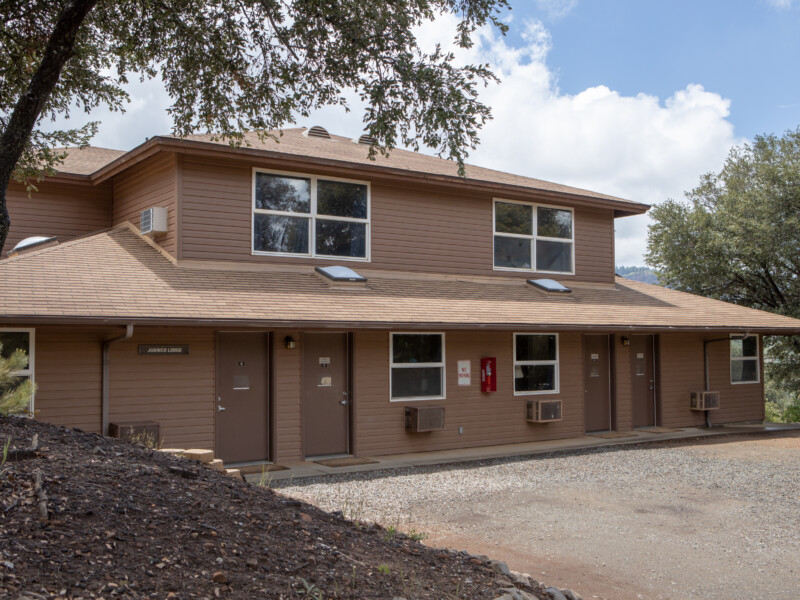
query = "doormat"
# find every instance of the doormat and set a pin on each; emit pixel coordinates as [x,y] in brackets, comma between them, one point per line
[345,461]
[250,469]
[613,435]
[658,430]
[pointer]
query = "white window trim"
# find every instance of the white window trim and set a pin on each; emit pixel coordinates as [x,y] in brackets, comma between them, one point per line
[31,370]
[311,217]
[533,237]
[392,366]
[756,358]
[536,362]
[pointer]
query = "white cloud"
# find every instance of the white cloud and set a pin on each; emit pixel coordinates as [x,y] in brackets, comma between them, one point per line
[638,147]
[556,9]
[780,4]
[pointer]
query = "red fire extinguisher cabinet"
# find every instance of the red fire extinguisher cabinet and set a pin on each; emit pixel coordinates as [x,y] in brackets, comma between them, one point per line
[489,374]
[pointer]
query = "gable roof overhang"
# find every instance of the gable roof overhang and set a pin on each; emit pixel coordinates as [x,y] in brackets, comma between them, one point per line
[524,187]
[117,277]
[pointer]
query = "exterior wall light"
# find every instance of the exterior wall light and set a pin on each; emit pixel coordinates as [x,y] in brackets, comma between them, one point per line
[626,341]
[290,343]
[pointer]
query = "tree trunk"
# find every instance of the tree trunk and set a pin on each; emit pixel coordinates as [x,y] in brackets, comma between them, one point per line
[59,49]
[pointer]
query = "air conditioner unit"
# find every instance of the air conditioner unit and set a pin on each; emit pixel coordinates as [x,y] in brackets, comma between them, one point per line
[704,401]
[424,418]
[153,221]
[142,432]
[542,411]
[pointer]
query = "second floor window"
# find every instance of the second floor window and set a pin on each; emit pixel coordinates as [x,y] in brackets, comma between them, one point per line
[310,216]
[528,237]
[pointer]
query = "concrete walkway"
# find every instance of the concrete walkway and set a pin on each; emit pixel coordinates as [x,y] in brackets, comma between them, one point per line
[303,469]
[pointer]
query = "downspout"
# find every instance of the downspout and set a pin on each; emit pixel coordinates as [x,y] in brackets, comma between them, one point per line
[104,409]
[733,336]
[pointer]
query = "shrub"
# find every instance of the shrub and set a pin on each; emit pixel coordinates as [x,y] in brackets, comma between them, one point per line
[15,391]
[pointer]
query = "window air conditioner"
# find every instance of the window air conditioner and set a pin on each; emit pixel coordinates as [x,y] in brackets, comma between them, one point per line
[153,221]
[542,411]
[704,400]
[424,418]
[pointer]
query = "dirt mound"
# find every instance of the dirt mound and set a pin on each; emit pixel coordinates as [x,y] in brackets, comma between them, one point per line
[126,522]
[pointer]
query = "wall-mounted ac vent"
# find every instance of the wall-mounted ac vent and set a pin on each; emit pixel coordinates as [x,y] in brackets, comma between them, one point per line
[153,221]
[704,401]
[367,139]
[542,411]
[424,418]
[318,132]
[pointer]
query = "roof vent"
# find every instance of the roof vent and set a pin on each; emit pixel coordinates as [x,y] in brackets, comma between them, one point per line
[317,132]
[33,243]
[367,140]
[550,286]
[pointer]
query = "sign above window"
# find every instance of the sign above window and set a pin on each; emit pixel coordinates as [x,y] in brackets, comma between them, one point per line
[297,215]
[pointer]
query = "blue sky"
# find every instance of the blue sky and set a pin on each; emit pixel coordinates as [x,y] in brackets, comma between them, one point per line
[745,50]
[627,97]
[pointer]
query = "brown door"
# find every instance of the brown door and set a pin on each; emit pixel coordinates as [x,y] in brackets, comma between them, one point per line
[643,382]
[597,378]
[326,404]
[242,415]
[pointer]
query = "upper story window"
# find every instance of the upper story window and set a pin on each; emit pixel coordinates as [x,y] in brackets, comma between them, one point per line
[744,360]
[531,237]
[305,215]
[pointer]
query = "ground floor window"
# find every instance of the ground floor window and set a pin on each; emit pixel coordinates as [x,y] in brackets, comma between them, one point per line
[535,363]
[417,366]
[19,339]
[744,360]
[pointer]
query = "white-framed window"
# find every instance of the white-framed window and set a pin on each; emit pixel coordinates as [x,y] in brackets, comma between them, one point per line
[745,366]
[20,339]
[535,363]
[416,365]
[310,216]
[533,237]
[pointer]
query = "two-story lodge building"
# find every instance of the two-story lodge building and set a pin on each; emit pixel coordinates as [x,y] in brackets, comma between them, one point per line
[295,299]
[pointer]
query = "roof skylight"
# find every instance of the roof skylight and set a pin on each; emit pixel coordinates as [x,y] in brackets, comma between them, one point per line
[32,241]
[550,285]
[337,273]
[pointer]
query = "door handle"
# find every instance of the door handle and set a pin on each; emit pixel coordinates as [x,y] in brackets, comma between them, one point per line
[220,408]
[343,402]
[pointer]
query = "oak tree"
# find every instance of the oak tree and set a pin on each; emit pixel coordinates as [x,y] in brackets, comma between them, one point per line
[738,239]
[231,66]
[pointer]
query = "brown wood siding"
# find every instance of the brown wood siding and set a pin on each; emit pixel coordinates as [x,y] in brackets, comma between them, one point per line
[176,391]
[287,398]
[68,375]
[63,210]
[681,372]
[412,229]
[623,395]
[153,182]
[487,419]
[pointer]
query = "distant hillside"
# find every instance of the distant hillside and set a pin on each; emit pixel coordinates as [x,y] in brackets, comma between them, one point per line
[643,274]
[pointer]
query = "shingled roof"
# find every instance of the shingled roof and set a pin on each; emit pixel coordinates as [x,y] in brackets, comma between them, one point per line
[336,150]
[116,276]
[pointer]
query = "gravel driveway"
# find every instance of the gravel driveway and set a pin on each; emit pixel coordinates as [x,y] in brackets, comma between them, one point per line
[709,519]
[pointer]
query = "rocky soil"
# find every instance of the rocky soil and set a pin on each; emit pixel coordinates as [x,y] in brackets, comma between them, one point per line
[84,516]
[710,519]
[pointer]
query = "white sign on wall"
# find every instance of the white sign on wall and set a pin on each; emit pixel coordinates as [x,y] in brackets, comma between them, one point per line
[464,372]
